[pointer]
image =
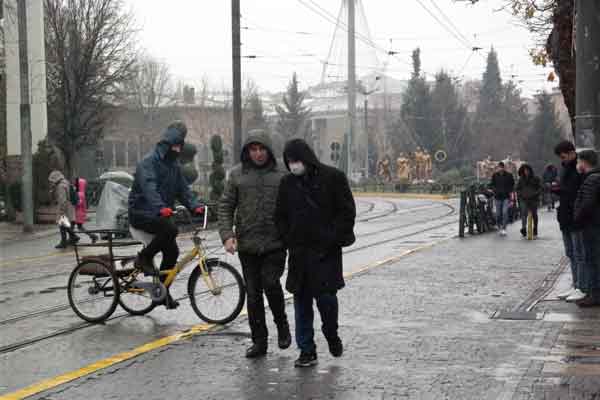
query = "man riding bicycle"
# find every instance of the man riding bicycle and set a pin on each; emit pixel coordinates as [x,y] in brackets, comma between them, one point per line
[158,183]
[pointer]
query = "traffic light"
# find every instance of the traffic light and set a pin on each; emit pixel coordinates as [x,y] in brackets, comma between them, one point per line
[336,148]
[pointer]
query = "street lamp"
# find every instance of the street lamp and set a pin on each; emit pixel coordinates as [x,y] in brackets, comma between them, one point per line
[363,90]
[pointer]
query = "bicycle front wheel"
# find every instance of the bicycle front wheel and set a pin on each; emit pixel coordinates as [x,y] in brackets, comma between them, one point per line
[93,291]
[217,297]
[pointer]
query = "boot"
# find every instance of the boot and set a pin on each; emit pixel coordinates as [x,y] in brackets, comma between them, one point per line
[170,302]
[284,338]
[257,350]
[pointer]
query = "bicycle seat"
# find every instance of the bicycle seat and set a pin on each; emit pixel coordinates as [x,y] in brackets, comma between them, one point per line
[141,236]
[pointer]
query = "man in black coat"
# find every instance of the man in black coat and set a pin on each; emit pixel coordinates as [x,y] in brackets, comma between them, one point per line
[503,184]
[315,216]
[587,217]
[567,188]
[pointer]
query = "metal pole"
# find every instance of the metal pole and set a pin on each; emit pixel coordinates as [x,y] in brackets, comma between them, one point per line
[351,82]
[587,104]
[237,79]
[26,156]
[366,138]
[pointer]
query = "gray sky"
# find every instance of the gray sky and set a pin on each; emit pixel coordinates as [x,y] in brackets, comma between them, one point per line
[194,37]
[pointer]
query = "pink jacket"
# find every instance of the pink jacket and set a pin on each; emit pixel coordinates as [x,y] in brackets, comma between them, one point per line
[81,209]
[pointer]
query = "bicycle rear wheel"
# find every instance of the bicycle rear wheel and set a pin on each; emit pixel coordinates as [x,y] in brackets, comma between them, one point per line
[93,291]
[218,296]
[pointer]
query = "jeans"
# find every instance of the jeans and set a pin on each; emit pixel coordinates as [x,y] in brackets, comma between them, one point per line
[525,209]
[502,212]
[165,241]
[262,274]
[575,252]
[590,271]
[327,304]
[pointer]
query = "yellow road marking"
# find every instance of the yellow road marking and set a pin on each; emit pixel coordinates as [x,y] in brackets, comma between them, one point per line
[195,330]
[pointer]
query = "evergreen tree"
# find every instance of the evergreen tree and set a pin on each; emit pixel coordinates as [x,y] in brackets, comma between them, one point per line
[416,108]
[293,115]
[449,120]
[545,133]
[257,119]
[217,176]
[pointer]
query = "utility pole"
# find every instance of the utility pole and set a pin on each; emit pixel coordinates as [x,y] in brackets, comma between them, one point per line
[237,79]
[587,92]
[366,138]
[351,83]
[26,156]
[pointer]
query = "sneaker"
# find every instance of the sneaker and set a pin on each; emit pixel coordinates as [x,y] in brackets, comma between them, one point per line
[336,347]
[284,338]
[503,232]
[306,360]
[523,232]
[256,350]
[588,301]
[564,295]
[576,296]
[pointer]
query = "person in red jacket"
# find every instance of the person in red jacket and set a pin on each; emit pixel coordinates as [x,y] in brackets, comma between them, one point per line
[81,208]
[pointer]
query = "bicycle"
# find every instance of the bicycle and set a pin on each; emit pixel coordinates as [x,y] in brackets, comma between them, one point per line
[99,283]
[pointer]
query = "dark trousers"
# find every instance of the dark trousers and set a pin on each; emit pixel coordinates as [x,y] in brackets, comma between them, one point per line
[164,241]
[64,231]
[327,304]
[525,209]
[262,274]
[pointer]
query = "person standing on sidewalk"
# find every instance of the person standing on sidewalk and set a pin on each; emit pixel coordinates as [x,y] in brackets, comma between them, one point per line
[503,184]
[81,208]
[587,217]
[248,202]
[60,190]
[550,177]
[567,188]
[529,188]
[315,215]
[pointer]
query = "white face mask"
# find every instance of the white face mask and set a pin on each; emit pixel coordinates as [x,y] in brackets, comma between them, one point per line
[297,168]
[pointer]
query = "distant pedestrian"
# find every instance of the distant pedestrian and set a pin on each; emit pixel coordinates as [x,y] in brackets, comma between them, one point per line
[81,208]
[587,217]
[529,189]
[503,184]
[315,215]
[567,188]
[61,191]
[248,204]
[550,177]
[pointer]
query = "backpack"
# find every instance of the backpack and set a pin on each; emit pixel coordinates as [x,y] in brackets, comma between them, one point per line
[73,195]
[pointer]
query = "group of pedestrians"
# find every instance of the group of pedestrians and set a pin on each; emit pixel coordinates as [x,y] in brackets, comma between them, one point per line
[306,213]
[579,219]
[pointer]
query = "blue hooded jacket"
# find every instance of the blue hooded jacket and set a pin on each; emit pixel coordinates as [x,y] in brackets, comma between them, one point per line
[159,182]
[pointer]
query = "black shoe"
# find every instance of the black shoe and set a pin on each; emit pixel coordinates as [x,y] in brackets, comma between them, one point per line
[256,351]
[336,348]
[523,232]
[535,233]
[145,265]
[306,360]
[74,240]
[94,238]
[61,245]
[170,302]
[284,338]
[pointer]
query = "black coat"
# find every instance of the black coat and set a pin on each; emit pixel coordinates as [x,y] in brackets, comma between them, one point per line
[587,205]
[570,181]
[315,216]
[503,184]
[529,190]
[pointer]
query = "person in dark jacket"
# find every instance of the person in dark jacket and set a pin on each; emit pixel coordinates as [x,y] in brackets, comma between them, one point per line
[60,191]
[587,217]
[248,202]
[529,188]
[315,215]
[157,184]
[567,188]
[550,177]
[503,184]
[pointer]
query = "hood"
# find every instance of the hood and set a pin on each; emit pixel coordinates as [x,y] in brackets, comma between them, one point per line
[55,177]
[522,169]
[81,185]
[261,137]
[299,150]
[170,137]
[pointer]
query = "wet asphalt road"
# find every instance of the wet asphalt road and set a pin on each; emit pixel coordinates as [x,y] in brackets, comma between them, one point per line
[418,327]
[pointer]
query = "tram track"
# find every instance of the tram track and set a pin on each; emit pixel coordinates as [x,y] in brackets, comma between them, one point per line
[63,307]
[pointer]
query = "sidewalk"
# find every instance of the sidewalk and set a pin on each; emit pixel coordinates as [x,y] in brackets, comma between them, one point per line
[12,232]
[420,328]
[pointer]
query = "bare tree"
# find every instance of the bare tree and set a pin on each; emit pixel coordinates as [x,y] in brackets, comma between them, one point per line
[90,54]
